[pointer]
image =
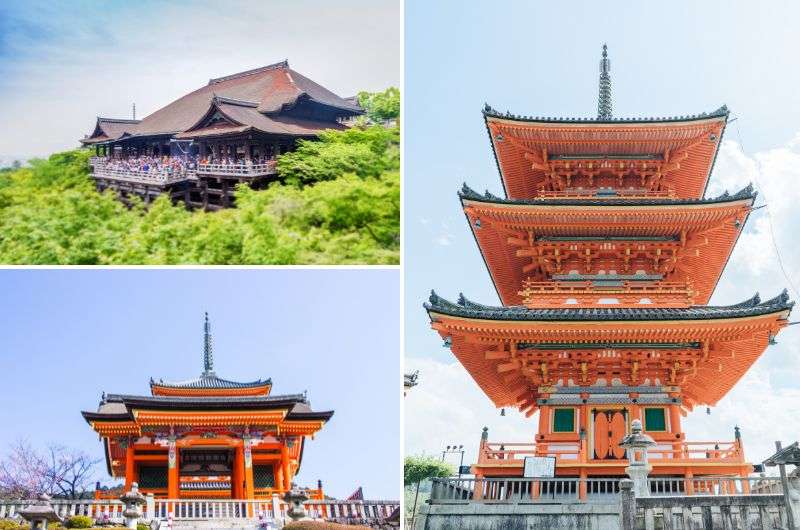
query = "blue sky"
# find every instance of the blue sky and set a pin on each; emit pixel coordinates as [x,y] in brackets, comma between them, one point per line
[64,63]
[70,335]
[542,58]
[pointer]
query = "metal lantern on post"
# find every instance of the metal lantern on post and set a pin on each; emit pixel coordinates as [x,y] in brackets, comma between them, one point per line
[636,444]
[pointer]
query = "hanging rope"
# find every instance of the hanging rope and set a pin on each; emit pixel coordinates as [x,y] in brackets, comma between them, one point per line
[769,214]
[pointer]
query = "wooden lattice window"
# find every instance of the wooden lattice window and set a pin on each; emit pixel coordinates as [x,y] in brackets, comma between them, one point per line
[564,420]
[153,477]
[263,477]
[655,420]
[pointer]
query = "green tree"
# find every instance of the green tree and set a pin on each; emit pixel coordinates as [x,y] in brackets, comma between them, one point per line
[361,151]
[422,467]
[381,106]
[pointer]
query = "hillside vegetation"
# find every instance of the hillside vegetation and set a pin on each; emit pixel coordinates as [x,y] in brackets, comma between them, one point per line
[339,203]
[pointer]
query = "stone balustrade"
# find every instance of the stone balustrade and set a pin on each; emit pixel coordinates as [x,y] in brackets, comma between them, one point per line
[275,508]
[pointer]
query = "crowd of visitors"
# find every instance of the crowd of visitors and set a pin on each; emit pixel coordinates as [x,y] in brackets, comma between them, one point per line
[153,164]
[174,165]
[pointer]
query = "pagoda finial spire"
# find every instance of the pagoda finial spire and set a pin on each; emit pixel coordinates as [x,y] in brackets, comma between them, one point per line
[208,351]
[604,101]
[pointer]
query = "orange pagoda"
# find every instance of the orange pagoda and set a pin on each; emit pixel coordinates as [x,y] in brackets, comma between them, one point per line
[206,437]
[604,253]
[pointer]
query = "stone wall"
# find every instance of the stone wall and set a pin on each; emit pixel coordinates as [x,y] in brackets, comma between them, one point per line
[519,516]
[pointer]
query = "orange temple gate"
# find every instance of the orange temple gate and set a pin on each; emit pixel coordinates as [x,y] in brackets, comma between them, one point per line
[207,437]
[604,253]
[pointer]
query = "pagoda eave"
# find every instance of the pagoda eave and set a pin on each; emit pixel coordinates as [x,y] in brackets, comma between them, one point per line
[523,147]
[522,242]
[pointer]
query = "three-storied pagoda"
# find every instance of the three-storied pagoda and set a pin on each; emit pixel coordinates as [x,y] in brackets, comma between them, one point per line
[206,437]
[604,253]
[197,148]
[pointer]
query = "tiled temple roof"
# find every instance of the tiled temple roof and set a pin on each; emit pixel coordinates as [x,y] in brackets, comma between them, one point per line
[467,309]
[468,193]
[490,112]
[118,407]
[269,91]
[211,381]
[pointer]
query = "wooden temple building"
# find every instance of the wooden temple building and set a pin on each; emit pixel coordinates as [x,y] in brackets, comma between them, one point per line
[206,437]
[197,148]
[604,253]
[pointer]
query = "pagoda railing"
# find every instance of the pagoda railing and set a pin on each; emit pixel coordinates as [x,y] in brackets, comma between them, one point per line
[94,160]
[604,193]
[566,451]
[574,489]
[555,293]
[238,170]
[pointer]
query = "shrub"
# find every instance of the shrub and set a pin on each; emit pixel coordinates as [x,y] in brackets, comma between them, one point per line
[8,524]
[142,526]
[79,521]
[322,525]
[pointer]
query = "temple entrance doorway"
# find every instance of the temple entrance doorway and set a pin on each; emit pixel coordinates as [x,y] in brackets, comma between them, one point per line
[206,473]
[609,427]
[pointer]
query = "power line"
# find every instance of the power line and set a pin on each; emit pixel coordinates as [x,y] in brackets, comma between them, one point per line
[769,213]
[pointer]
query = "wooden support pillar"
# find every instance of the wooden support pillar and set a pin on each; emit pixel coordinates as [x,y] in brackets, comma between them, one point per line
[237,477]
[224,199]
[277,472]
[249,485]
[582,484]
[173,471]
[287,476]
[130,469]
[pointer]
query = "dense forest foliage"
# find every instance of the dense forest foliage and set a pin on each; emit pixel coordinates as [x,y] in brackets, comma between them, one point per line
[338,202]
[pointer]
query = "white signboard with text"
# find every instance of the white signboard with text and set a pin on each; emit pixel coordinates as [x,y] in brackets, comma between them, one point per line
[539,467]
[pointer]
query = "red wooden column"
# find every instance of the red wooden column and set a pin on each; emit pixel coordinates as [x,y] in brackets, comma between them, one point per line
[130,470]
[237,476]
[287,477]
[249,486]
[173,475]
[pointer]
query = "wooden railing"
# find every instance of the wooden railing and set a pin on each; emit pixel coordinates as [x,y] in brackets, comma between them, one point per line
[238,170]
[587,292]
[718,452]
[598,193]
[142,177]
[492,452]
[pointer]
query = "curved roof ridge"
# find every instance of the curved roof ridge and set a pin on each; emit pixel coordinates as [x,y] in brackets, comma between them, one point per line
[117,120]
[748,192]
[209,381]
[232,101]
[464,307]
[274,66]
[300,398]
[489,111]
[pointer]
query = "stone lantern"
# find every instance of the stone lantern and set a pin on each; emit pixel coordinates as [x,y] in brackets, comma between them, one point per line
[40,513]
[295,498]
[133,501]
[636,444]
